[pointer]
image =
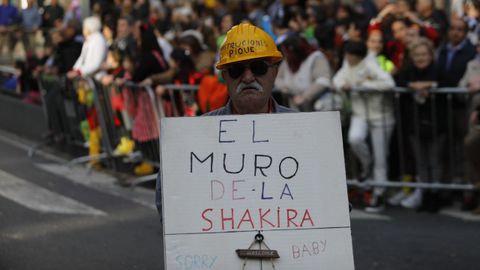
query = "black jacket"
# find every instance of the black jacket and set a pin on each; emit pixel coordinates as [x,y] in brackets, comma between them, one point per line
[451,77]
[66,54]
[422,119]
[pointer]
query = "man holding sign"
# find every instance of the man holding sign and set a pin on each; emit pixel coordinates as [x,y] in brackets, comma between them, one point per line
[249,62]
[248,188]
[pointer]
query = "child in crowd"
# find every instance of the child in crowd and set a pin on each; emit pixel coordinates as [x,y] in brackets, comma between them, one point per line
[372,114]
[375,48]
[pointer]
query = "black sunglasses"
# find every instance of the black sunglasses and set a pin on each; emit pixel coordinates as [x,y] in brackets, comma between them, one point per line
[258,68]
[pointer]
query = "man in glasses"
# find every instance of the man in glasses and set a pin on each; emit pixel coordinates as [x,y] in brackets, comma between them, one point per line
[249,62]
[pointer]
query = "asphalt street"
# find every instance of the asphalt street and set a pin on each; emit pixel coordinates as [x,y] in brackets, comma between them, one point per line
[56,217]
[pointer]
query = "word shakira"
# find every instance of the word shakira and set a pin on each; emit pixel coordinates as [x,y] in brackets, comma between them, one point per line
[255,219]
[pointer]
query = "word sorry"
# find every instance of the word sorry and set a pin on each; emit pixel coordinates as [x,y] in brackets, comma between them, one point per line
[190,262]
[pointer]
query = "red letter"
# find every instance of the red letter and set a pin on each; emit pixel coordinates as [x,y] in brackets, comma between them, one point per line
[278,217]
[289,219]
[207,220]
[306,216]
[247,213]
[262,218]
[225,219]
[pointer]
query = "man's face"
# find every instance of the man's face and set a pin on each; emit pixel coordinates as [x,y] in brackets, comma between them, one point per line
[412,34]
[123,29]
[249,90]
[56,37]
[68,32]
[457,31]
[423,6]
[402,7]
[380,4]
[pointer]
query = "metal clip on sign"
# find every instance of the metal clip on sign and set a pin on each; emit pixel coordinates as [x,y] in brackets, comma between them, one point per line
[260,253]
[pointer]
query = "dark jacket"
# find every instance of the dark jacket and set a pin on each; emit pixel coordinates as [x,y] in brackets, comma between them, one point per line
[149,63]
[66,54]
[126,46]
[421,118]
[451,77]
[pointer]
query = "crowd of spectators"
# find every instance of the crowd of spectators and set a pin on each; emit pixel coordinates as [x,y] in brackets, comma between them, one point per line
[339,45]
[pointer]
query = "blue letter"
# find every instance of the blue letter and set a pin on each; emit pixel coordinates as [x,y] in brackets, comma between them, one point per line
[280,167]
[201,161]
[285,193]
[220,131]
[263,193]
[261,168]
[253,135]
[225,164]
[213,260]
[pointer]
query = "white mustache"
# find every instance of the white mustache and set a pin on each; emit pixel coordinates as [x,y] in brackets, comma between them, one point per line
[255,85]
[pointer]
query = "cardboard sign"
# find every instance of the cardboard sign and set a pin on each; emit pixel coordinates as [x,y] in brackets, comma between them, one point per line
[225,178]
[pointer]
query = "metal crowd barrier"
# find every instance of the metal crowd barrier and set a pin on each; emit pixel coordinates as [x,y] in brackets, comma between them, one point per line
[101,104]
[62,110]
[392,184]
[450,159]
[141,101]
[141,110]
[180,95]
[64,114]
[172,103]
